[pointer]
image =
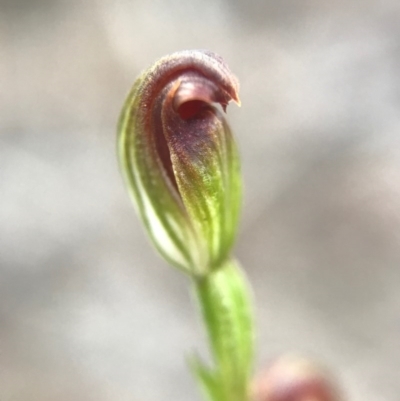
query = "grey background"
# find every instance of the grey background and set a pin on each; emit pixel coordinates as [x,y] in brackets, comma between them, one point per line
[88,311]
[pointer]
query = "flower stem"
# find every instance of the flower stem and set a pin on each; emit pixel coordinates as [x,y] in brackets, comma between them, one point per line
[225,305]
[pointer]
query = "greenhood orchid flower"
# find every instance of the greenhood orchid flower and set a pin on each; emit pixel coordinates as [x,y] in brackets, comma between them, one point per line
[181,166]
[180,160]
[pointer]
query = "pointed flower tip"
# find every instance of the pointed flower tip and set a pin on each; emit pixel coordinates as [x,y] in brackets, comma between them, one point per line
[234,92]
[238,101]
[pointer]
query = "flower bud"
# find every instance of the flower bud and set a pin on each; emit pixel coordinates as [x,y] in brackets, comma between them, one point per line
[179,158]
[292,378]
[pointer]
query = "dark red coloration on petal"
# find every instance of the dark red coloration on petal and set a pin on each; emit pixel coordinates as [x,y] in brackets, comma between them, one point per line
[191,81]
[190,109]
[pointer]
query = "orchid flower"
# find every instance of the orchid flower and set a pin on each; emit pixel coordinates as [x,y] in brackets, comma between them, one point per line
[181,165]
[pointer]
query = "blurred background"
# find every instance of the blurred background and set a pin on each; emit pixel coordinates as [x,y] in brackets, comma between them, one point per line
[88,311]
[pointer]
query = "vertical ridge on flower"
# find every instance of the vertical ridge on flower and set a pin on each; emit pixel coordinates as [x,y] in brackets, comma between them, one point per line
[179,158]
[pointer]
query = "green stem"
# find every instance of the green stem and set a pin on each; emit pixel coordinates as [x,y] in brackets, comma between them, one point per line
[225,305]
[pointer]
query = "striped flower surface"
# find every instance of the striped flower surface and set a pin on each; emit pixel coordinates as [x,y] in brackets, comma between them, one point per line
[180,160]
